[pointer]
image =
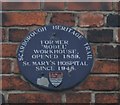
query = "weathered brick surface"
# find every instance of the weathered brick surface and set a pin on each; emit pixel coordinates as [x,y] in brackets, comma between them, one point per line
[98,22]
[89,6]
[91,20]
[109,51]
[107,98]
[34,98]
[94,48]
[6,66]
[9,50]
[98,83]
[117,6]
[23,18]
[78,97]
[15,67]
[54,6]
[102,36]
[2,36]
[113,20]
[17,35]
[15,83]
[20,5]
[106,66]
[62,19]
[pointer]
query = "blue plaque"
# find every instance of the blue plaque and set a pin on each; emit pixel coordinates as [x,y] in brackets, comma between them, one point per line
[55,57]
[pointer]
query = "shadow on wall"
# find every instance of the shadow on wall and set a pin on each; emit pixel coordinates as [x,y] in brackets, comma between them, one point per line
[2,100]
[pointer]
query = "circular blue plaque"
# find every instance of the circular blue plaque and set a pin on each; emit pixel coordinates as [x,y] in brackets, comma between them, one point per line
[55,57]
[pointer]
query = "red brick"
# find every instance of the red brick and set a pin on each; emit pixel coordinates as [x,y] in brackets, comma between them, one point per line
[108,51]
[34,98]
[78,97]
[17,35]
[100,36]
[2,36]
[54,6]
[89,6]
[15,83]
[107,98]
[106,66]
[91,20]
[6,66]
[20,5]
[9,50]
[94,50]
[15,67]
[99,83]
[63,19]
[5,83]
[117,6]
[23,18]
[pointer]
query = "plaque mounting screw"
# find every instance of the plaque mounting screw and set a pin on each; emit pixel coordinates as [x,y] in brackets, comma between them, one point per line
[54,34]
[42,74]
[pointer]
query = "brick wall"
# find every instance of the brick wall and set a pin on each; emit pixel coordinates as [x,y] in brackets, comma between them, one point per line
[99,23]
